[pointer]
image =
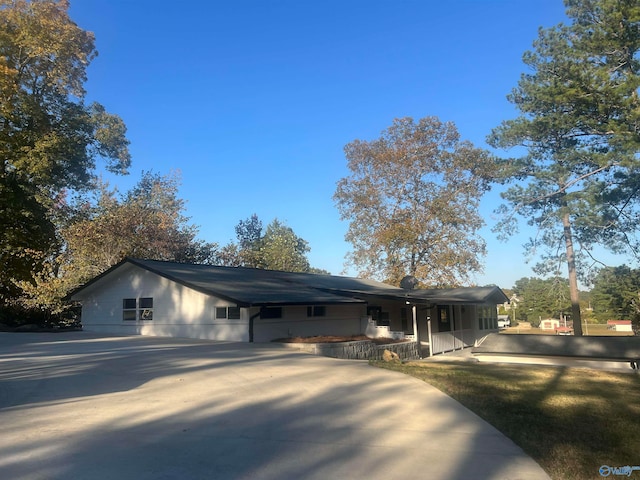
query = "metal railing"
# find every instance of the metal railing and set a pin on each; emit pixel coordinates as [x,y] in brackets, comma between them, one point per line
[448,341]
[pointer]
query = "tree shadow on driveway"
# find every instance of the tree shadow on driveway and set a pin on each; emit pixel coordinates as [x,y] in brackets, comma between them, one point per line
[88,407]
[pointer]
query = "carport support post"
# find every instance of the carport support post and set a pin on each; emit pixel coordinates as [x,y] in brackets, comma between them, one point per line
[454,314]
[251,320]
[414,314]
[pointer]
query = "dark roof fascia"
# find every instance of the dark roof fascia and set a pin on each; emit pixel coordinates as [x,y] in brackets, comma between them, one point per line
[355,296]
[435,298]
[351,295]
[441,297]
[495,290]
[95,279]
[157,272]
[373,295]
[354,301]
[206,291]
[252,303]
[177,280]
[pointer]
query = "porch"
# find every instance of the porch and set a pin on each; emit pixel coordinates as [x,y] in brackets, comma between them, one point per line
[455,327]
[449,342]
[437,328]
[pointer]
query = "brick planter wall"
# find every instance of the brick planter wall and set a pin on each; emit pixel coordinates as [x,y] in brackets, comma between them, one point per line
[358,350]
[406,351]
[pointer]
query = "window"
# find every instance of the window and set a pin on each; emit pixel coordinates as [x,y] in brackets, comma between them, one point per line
[444,323]
[487,318]
[146,308]
[374,312]
[381,318]
[316,311]
[129,303]
[385,319]
[483,318]
[273,312]
[404,320]
[129,309]
[231,313]
[137,309]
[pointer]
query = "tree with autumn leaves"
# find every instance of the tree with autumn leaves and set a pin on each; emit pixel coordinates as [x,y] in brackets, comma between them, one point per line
[50,138]
[53,237]
[411,199]
[577,184]
[102,227]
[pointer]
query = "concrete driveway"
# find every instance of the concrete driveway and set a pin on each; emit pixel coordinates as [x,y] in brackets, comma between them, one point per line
[80,406]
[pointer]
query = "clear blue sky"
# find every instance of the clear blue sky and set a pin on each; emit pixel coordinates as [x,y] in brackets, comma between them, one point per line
[254,100]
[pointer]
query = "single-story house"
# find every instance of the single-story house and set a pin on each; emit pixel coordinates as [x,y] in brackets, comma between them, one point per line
[149,297]
[619,325]
[550,324]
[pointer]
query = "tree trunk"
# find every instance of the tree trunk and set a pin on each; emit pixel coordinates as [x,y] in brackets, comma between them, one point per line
[573,277]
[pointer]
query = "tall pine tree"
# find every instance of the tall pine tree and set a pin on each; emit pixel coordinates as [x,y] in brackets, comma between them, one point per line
[579,181]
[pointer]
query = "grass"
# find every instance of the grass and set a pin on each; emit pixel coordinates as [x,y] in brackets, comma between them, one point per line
[571,421]
[600,329]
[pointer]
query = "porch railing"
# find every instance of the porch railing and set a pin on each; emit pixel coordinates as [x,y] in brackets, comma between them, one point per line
[448,341]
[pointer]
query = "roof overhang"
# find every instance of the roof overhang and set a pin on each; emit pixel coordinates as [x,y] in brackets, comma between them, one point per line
[281,288]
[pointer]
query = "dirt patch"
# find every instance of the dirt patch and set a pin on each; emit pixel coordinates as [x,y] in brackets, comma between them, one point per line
[337,339]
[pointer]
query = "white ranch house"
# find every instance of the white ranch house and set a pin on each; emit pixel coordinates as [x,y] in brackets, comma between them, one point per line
[147,297]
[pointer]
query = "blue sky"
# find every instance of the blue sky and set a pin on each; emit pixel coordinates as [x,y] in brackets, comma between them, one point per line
[254,100]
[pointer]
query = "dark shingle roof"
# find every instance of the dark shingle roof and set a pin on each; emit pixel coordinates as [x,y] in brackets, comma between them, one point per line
[493,295]
[250,286]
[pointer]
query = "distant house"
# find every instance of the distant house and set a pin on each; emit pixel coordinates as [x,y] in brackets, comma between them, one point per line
[553,324]
[550,324]
[619,325]
[504,321]
[157,298]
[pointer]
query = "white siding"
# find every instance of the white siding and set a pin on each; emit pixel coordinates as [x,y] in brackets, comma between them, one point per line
[549,324]
[339,320]
[623,328]
[178,311]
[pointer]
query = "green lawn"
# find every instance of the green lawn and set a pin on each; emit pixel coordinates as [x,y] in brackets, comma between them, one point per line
[571,421]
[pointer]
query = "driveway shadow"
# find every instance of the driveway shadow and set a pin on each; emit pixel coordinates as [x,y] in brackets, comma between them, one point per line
[88,407]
